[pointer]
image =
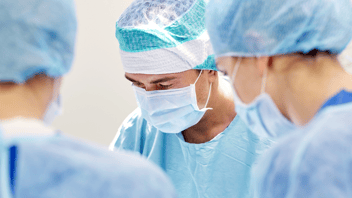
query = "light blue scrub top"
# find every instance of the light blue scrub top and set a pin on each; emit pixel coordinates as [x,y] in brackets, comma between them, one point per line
[219,168]
[314,162]
[56,166]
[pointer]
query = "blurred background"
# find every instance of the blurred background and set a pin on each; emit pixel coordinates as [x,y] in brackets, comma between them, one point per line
[96,96]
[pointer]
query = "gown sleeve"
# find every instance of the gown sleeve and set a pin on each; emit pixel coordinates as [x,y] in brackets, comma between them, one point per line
[131,133]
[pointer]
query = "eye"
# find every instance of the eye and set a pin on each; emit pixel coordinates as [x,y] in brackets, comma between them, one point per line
[165,86]
[137,84]
[221,69]
[224,72]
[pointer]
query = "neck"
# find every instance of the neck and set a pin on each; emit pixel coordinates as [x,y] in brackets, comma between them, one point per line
[216,120]
[15,102]
[308,86]
[27,100]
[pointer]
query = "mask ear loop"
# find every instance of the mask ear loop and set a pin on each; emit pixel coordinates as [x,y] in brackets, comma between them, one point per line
[211,85]
[265,73]
[205,106]
[198,76]
[234,73]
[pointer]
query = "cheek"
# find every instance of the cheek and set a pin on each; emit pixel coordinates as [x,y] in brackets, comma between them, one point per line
[247,86]
[227,70]
[57,87]
[202,92]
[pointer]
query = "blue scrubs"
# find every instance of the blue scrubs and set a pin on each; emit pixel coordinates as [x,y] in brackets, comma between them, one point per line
[218,168]
[314,162]
[57,166]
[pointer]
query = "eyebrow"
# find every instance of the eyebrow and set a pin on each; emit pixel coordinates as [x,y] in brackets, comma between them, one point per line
[130,79]
[163,80]
[153,82]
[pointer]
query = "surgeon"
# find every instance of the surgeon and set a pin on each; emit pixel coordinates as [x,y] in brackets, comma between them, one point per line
[282,58]
[185,121]
[36,161]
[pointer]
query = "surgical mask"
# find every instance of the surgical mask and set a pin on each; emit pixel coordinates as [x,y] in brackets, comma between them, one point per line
[171,111]
[262,115]
[54,110]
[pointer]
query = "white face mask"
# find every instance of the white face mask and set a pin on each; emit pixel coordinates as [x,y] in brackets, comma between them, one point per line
[171,111]
[53,110]
[262,115]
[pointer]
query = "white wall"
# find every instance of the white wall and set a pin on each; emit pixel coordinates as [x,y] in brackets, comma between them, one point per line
[96,96]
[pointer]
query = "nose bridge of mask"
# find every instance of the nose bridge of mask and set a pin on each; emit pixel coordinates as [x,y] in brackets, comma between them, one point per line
[150,100]
[155,101]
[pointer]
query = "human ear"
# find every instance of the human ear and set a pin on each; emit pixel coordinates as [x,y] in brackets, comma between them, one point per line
[212,75]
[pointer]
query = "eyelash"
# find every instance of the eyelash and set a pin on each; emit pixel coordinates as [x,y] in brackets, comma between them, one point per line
[160,85]
[165,86]
[138,84]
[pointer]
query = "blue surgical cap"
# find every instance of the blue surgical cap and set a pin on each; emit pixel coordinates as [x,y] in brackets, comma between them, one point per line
[272,27]
[164,36]
[36,36]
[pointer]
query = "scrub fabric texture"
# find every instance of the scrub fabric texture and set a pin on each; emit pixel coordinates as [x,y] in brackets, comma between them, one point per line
[36,36]
[164,36]
[56,166]
[215,169]
[314,162]
[265,28]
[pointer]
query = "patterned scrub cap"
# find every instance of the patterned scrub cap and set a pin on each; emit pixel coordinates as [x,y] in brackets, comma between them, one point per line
[164,36]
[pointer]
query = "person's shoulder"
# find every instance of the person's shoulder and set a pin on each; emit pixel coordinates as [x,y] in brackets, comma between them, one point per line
[328,132]
[133,132]
[134,115]
[89,170]
[332,129]
[240,128]
[134,120]
[328,136]
[314,156]
[130,173]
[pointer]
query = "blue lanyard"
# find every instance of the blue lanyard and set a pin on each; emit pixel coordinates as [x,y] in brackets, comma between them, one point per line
[13,167]
[8,168]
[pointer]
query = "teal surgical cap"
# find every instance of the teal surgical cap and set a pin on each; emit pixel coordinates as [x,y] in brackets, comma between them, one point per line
[272,27]
[164,36]
[36,36]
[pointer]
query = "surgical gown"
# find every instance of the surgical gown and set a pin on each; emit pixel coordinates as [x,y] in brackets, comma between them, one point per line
[216,169]
[49,165]
[314,162]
